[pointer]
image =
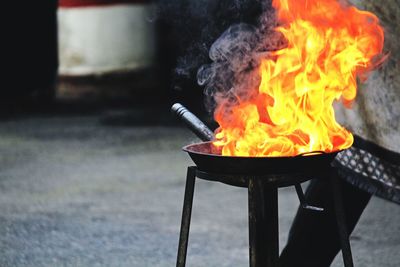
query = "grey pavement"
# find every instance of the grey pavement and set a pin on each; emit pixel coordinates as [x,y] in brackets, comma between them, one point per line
[77,192]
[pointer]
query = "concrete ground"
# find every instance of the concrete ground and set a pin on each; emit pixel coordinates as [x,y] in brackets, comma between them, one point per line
[75,191]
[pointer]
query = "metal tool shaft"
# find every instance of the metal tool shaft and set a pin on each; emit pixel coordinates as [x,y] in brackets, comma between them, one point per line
[192,122]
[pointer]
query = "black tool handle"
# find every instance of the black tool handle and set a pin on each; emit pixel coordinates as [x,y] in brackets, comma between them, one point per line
[192,122]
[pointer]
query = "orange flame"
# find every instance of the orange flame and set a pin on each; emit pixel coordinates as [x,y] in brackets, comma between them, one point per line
[330,45]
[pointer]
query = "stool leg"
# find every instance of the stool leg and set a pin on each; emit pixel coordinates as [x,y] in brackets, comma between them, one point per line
[341,220]
[263,224]
[186,216]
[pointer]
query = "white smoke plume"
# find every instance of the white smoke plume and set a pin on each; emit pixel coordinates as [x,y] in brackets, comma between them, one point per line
[235,55]
[196,24]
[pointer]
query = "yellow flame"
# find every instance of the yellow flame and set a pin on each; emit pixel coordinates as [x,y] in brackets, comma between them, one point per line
[330,45]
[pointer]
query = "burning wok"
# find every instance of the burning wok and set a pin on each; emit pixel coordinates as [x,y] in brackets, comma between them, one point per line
[208,159]
[204,156]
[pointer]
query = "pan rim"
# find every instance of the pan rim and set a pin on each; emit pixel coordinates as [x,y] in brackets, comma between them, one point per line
[317,153]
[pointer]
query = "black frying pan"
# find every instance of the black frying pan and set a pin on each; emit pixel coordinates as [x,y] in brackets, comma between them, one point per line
[204,158]
[207,160]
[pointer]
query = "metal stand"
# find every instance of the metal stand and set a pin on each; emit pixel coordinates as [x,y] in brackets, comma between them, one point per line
[263,223]
[186,216]
[341,221]
[263,213]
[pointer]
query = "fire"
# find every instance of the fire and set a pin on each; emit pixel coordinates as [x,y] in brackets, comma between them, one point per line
[330,45]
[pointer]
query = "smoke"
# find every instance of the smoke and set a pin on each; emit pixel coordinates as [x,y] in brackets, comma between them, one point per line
[235,56]
[196,24]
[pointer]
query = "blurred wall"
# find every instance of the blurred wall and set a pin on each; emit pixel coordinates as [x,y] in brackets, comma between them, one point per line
[97,36]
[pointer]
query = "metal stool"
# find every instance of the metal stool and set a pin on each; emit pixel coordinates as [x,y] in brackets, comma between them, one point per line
[263,211]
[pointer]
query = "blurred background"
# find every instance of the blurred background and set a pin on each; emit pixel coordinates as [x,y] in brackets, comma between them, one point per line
[97,54]
[91,172]
[88,54]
